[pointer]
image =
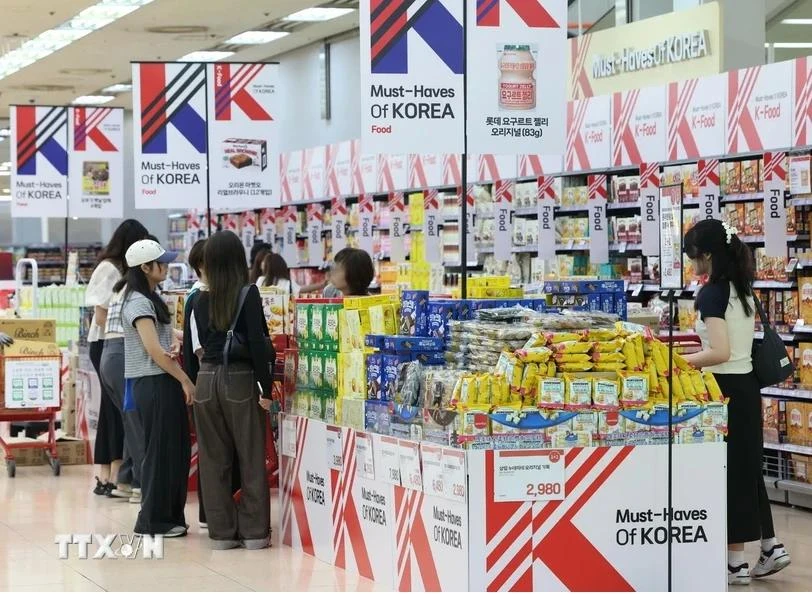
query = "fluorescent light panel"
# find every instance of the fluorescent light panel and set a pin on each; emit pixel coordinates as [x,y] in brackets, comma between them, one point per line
[796,22]
[205,56]
[118,88]
[318,13]
[256,37]
[93,99]
[90,19]
[790,44]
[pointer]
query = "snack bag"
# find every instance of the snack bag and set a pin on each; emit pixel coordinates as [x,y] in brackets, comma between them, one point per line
[572,358]
[577,392]
[559,337]
[609,357]
[608,367]
[571,439]
[573,367]
[611,425]
[586,421]
[534,354]
[609,346]
[601,334]
[634,390]
[687,385]
[698,383]
[714,392]
[530,382]
[551,393]
[606,393]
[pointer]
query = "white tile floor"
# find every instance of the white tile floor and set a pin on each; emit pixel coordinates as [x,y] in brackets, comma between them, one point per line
[35,506]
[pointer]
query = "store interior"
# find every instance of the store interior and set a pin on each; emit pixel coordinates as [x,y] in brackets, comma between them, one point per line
[516,380]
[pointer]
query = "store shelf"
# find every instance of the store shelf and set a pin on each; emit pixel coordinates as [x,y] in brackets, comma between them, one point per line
[747,197]
[805,201]
[760,238]
[567,209]
[622,205]
[624,247]
[786,337]
[581,244]
[774,285]
[799,393]
[526,211]
[791,448]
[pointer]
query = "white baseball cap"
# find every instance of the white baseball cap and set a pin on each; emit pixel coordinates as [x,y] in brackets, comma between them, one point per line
[145,251]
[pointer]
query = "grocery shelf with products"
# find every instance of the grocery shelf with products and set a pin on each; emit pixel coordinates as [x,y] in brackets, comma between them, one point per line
[51,260]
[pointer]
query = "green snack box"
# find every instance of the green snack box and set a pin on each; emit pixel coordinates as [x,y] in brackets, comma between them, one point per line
[330,319]
[316,370]
[317,322]
[316,406]
[330,372]
[330,408]
[303,370]
[302,322]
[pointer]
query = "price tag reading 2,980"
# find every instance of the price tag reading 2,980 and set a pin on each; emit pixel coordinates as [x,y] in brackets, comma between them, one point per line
[529,475]
[335,450]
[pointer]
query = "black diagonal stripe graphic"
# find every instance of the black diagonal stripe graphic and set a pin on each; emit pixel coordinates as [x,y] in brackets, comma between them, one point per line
[387,24]
[33,132]
[169,100]
[46,131]
[377,12]
[201,85]
[404,31]
[157,98]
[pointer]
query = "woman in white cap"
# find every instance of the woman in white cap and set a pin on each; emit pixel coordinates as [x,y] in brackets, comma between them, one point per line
[160,390]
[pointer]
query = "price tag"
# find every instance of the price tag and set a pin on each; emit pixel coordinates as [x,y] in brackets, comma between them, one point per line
[412,477]
[335,450]
[454,479]
[289,437]
[636,289]
[388,459]
[622,247]
[432,456]
[528,475]
[364,463]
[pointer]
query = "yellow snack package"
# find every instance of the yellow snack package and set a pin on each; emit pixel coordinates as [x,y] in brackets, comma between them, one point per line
[534,354]
[699,385]
[651,370]
[679,393]
[660,364]
[637,341]
[663,383]
[572,358]
[609,346]
[609,358]
[687,385]
[483,392]
[606,367]
[634,388]
[577,391]
[559,337]
[606,393]
[572,347]
[570,367]
[601,334]
[536,340]
[631,355]
[552,369]
[500,388]
[530,382]
[463,389]
[714,392]
[681,363]
[551,392]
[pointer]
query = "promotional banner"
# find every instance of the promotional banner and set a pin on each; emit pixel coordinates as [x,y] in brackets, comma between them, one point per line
[96,162]
[268,224]
[193,229]
[710,198]
[598,223]
[546,204]
[490,168]
[671,271]
[397,229]
[452,170]
[775,206]
[519,106]
[393,173]
[315,240]
[638,126]
[366,220]
[243,134]
[313,169]
[759,108]
[425,171]
[290,248]
[697,117]
[39,161]
[503,232]
[249,231]
[432,227]
[536,165]
[650,211]
[338,222]
[364,167]
[800,174]
[802,126]
[290,176]
[412,61]
[589,134]
[169,110]
[339,169]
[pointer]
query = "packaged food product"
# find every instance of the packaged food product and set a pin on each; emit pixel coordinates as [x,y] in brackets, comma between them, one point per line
[606,393]
[551,392]
[609,357]
[577,391]
[607,367]
[473,422]
[571,347]
[634,389]
[698,435]
[698,384]
[586,421]
[414,313]
[571,439]
[611,424]
[559,337]
[530,382]
[601,334]
[534,354]
[714,392]
[572,358]
[609,346]
[714,414]
[574,367]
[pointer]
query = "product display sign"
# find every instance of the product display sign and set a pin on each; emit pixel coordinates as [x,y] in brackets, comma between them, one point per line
[315,239]
[490,168]
[364,168]
[313,170]
[39,161]
[393,172]
[387,459]
[432,227]
[268,222]
[412,62]
[799,174]
[339,169]
[243,108]
[169,109]
[397,227]
[32,383]
[696,117]
[96,162]
[454,474]
[759,108]
[650,215]
[425,171]
[519,105]
[290,176]
[290,247]
[589,134]
[536,165]
[671,271]
[775,206]
[410,472]
[289,436]
[802,128]
[598,222]
[503,231]
[338,222]
[335,448]
[364,460]
[546,207]
[638,126]
[366,220]
[432,457]
[528,475]
[710,193]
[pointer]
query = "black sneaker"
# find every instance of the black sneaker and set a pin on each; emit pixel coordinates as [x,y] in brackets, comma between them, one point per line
[101,488]
[738,576]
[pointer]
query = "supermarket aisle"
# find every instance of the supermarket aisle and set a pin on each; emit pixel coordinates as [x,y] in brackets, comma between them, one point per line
[35,505]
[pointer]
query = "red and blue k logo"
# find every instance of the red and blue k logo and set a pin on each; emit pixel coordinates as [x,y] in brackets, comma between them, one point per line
[231,88]
[41,135]
[530,11]
[168,104]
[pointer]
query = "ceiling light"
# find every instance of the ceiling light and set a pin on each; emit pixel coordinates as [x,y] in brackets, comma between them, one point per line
[5,173]
[118,88]
[205,56]
[6,191]
[5,164]
[790,44]
[93,99]
[256,37]
[796,22]
[318,13]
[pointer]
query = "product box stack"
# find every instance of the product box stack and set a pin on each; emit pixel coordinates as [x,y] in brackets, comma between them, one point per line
[59,303]
[608,296]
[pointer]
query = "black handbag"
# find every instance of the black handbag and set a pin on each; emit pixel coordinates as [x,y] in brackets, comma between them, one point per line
[237,347]
[771,363]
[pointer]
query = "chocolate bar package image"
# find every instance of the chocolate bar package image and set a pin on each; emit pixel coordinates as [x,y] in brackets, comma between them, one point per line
[241,153]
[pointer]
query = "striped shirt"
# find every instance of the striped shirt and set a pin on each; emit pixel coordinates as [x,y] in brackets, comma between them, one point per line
[114,328]
[98,294]
[137,362]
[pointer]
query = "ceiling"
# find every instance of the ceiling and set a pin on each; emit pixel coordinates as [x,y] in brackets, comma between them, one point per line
[782,33]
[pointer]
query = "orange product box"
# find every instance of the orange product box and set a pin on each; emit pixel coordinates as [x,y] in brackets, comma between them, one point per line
[749,176]
[770,413]
[754,218]
[798,422]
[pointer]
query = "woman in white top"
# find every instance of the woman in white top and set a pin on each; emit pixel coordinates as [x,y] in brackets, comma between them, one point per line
[275,273]
[109,449]
[725,325]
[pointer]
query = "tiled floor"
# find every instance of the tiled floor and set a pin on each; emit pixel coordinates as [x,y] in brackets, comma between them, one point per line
[35,506]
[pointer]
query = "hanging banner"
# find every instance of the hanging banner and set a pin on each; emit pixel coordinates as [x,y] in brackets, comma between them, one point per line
[802,128]
[364,167]
[638,126]
[169,109]
[313,169]
[315,240]
[366,219]
[452,175]
[598,224]
[537,165]
[39,161]
[96,162]
[650,212]
[775,206]
[243,109]
[503,232]
[393,173]
[546,204]
[412,63]
[432,227]
[193,229]
[290,176]
[397,231]
[425,171]
[470,223]
[231,222]
[519,107]
[710,198]
[338,222]
[759,108]
[697,117]
[212,222]
[339,169]
[800,168]
[249,231]
[671,271]
[589,134]
[268,225]
[290,223]
[490,168]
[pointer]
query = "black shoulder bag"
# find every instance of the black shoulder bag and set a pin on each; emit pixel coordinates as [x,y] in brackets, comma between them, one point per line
[771,363]
[237,347]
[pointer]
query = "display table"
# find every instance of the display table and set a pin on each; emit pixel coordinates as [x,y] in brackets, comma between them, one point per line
[591,518]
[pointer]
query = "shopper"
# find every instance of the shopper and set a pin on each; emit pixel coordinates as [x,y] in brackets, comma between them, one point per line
[275,273]
[228,408]
[160,390]
[330,290]
[109,451]
[258,253]
[725,325]
[353,273]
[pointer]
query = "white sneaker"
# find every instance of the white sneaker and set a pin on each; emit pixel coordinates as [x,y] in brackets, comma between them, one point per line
[136,496]
[738,576]
[771,561]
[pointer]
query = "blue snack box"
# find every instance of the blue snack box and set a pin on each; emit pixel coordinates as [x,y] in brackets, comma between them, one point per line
[390,370]
[376,417]
[463,309]
[407,344]
[374,341]
[584,286]
[608,302]
[621,302]
[414,313]
[594,301]
[374,376]
[440,312]
[429,357]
